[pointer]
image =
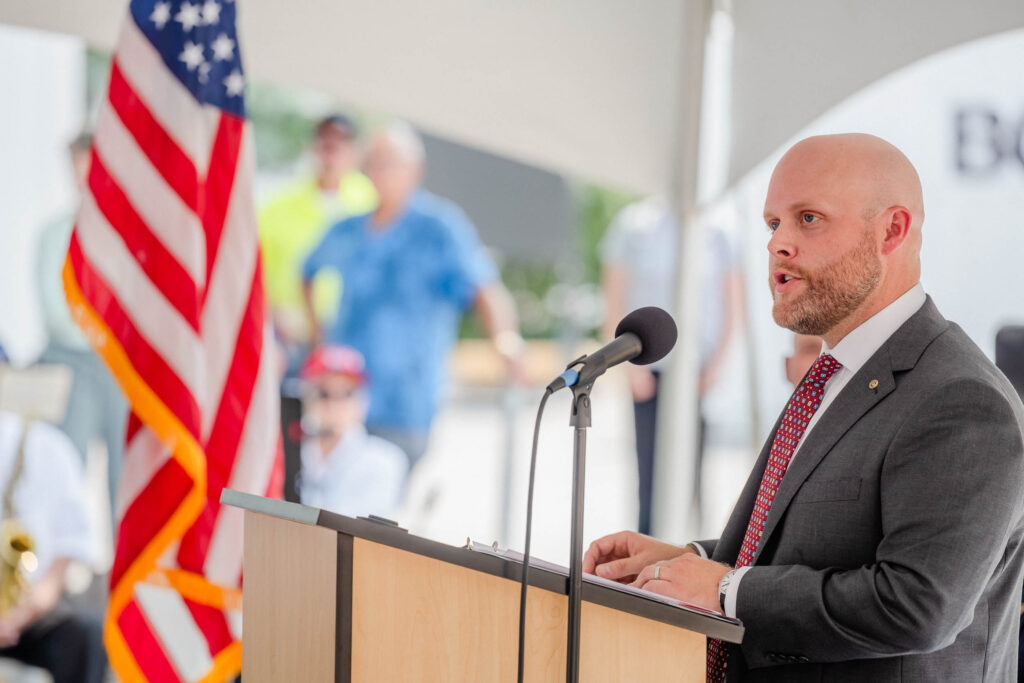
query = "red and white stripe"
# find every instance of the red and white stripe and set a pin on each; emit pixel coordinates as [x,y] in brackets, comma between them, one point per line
[165,252]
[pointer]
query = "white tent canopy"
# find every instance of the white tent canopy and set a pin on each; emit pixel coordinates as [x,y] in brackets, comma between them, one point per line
[578,87]
[591,89]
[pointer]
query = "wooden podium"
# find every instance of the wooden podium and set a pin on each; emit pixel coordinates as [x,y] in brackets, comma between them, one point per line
[329,598]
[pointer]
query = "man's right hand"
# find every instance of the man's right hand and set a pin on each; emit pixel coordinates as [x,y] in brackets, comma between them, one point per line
[622,556]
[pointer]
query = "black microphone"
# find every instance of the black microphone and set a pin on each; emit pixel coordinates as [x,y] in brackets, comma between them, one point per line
[644,336]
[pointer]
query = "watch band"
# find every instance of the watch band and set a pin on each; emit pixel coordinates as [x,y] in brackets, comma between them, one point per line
[723,587]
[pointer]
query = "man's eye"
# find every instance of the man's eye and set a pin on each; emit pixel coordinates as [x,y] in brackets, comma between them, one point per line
[773,226]
[808,218]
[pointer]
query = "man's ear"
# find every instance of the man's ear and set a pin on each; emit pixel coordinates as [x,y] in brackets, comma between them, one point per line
[898,228]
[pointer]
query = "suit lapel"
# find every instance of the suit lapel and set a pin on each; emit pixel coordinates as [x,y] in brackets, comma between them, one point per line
[849,406]
[899,353]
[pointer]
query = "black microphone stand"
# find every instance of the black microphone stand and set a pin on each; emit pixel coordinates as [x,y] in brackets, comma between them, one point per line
[579,419]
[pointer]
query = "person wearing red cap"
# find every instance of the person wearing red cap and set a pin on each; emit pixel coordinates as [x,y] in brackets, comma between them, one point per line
[344,469]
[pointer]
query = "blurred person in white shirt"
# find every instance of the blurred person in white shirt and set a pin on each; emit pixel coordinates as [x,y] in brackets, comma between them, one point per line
[639,268]
[47,496]
[345,469]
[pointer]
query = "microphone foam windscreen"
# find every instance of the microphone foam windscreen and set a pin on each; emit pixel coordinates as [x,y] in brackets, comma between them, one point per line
[656,330]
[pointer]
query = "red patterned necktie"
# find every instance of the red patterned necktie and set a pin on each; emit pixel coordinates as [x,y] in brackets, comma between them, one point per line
[798,414]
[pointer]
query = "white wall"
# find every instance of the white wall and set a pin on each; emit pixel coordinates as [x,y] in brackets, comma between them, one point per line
[42,87]
[973,255]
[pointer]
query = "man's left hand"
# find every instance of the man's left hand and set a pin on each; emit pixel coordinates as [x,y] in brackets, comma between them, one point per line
[689,578]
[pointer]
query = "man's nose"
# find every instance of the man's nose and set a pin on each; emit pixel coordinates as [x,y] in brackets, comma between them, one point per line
[782,242]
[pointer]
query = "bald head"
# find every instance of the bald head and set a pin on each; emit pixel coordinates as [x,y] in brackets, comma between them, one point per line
[866,168]
[400,142]
[846,213]
[395,163]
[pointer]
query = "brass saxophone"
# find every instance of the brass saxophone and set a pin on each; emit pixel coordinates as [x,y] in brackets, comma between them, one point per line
[17,556]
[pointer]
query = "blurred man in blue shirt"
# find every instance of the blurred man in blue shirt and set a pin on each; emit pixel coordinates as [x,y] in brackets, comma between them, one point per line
[409,270]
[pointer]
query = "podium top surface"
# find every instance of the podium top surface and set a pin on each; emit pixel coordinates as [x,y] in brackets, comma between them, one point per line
[710,624]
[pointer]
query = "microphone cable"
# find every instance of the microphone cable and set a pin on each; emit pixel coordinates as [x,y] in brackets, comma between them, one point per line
[529,527]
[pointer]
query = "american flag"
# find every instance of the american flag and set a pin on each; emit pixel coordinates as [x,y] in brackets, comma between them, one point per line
[163,273]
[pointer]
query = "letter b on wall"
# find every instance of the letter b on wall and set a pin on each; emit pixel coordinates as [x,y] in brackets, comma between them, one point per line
[985,141]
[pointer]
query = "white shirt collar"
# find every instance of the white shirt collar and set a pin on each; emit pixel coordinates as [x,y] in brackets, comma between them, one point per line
[317,466]
[854,350]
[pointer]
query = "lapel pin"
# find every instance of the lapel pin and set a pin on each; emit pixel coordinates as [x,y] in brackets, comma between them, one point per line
[873,384]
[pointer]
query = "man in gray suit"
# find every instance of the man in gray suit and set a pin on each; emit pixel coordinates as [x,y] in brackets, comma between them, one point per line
[879,536]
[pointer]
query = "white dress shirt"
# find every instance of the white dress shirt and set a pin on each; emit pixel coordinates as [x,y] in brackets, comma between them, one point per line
[49,496]
[852,351]
[642,239]
[362,475]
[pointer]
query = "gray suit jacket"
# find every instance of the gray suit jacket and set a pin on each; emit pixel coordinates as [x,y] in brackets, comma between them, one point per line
[893,550]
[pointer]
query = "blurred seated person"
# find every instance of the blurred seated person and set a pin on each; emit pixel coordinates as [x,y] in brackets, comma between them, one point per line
[806,349]
[344,469]
[294,221]
[42,485]
[410,268]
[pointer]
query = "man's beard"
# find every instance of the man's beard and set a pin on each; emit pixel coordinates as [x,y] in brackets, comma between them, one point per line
[832,294]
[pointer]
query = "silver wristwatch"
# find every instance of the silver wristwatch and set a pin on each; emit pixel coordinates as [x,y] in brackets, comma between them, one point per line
[723,587]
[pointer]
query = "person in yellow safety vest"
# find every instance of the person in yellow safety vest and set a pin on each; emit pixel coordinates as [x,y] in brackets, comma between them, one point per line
[294,222]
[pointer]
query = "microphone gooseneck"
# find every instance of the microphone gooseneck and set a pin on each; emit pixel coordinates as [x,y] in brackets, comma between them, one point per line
[644,336]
